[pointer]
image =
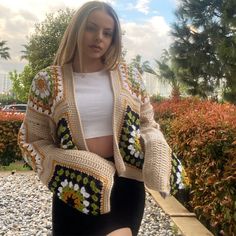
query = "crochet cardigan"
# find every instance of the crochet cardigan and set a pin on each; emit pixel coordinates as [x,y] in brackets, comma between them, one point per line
[52,141]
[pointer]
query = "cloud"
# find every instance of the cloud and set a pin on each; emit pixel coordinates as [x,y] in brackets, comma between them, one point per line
[147,39]
[14,26]
[17,21]
[142,6]
[176,2]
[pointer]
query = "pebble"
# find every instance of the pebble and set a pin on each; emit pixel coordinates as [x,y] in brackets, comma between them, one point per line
[25,209]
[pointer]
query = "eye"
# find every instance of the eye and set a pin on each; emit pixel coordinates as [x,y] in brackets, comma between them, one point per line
[90,28]
[108,34]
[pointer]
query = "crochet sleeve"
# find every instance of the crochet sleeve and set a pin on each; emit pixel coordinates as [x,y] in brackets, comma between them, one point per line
[79,178]
[157,160]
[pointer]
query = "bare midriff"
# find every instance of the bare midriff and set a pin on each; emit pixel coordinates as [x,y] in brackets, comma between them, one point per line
[103,146]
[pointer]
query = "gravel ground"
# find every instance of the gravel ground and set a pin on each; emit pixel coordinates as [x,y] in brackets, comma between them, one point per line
[25,209]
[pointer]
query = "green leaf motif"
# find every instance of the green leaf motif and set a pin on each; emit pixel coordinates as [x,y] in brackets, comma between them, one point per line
[94,206]
[72,175]
[60,172]
[94,197]
[67,173]
[78,179]
[57,178]
[85,181]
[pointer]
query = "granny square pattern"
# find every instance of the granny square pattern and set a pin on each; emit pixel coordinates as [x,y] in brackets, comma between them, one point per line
[64,135]
[77,189]
[129,144]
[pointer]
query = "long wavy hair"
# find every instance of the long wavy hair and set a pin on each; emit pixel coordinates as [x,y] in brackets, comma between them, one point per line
[72,38]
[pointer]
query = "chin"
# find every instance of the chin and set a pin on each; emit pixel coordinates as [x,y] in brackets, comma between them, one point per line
[92,57]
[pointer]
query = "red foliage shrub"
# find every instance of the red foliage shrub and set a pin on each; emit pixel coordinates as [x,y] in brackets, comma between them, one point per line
[9,126]
[203,134]
[11,116]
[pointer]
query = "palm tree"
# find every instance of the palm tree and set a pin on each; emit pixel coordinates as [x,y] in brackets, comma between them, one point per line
[4,50]
[142,66]
[166,72]
[25,52]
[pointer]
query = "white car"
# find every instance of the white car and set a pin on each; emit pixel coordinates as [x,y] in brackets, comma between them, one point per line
[15,108]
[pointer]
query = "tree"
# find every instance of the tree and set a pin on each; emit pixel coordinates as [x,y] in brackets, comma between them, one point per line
[43,44]
[40,50]
[227,49]
[4,50]
[165,71]
[140,65]
[200,33]
[21,83]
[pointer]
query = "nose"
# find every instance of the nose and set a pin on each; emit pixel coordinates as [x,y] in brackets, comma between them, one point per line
[99,35]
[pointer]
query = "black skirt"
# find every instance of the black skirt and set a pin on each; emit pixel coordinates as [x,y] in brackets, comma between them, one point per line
[127,207]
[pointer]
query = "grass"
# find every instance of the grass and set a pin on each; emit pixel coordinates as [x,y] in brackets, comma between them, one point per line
[18,165]
[175,229]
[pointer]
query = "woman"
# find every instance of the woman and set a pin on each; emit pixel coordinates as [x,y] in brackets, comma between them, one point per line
[89,131]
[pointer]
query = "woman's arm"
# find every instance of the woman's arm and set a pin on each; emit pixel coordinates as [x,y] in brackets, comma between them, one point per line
[79,178]
[157,160]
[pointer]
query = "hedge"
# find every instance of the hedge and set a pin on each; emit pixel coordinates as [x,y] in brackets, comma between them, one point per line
[9,126]
[203,134]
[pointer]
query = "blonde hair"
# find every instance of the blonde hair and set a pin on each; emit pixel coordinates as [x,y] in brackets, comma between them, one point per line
[74,33]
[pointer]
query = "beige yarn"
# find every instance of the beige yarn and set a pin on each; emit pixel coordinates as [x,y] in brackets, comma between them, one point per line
[38,140]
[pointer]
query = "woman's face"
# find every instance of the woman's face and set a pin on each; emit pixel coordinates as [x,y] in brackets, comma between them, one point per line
[98,35]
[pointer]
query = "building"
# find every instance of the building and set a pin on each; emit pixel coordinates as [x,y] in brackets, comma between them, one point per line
[5,84]
[156,86]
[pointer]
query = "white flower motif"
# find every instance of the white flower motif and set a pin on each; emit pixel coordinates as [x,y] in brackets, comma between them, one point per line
[181,186]
[64,183]
[136,154]
[86,203]
[132,150]
[70,184]
[41,85]
[85,194]
[76,187]
[64,145]
[60,189]
[85,210]
[179,179]
[134,146]
[131,140]
[135,132]
[180,168]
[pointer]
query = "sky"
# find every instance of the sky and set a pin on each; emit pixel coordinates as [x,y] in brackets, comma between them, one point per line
[146,24]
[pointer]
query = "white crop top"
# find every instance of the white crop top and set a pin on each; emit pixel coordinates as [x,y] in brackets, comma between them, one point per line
[94,98]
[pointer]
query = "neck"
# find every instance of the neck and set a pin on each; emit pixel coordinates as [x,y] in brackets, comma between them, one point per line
[88,65]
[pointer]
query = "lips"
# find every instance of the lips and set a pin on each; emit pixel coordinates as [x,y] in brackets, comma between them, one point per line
[96,48]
